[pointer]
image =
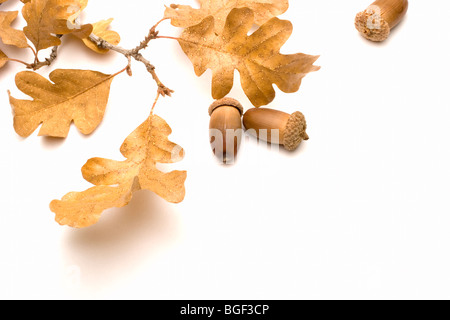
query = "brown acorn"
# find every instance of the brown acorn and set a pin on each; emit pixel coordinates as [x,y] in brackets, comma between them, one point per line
[225,128]
[377,21]
[277,127]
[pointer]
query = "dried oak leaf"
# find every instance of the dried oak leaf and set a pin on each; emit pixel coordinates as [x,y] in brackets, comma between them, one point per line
[116,181]
[185,16]
[3,59]
[100,29]
[75,95]
[256,57]
[48,18]
[9,35]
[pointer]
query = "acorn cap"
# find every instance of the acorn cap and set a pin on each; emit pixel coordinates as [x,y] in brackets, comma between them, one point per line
[294,132]
[230,102]
[379,33]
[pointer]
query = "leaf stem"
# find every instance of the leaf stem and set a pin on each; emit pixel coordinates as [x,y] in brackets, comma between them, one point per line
[159,22]
[121,71]
[34,51]
[154,103]
[167,37]
[19,61]
[48,61]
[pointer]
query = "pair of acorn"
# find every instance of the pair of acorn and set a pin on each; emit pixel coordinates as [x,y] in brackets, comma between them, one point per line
[272,126]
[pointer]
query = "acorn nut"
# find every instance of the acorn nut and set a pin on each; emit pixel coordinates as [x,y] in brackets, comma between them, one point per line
[276,127]
[377,21]
[225,128]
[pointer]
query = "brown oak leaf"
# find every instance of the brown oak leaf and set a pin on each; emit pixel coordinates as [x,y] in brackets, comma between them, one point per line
[48,18]
[8,34]
[116,181]
[185,16]
[257,56]
[75,95]
[3,59]
[101,31]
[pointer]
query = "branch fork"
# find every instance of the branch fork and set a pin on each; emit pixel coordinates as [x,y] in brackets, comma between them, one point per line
[135,54]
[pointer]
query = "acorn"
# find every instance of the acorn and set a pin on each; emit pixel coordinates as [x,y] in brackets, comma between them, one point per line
[376,22]
[277,127]
[225,128]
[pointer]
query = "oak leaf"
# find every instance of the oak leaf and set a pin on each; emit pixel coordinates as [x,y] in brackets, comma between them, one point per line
[9,35]
[185,16]
[75,95]
[48,18]
[256,57]
[100,29]
[116,181]
[3,59]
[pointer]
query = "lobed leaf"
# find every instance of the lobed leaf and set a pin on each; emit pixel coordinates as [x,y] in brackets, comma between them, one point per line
[116,181]
[3,59]
[185,16]
[75,95]
[9,35]
[47,18]
[100,29]
[257,56]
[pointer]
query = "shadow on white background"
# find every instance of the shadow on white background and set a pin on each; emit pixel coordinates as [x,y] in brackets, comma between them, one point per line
[125,239]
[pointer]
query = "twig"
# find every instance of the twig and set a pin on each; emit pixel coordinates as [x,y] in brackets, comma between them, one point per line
[48,61]
[136,55]
[153,34]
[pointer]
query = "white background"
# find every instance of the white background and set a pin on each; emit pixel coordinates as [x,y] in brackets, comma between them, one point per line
[360,211]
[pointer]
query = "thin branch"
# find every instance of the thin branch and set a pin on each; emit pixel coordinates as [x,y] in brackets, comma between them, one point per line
[153,34]
[136,55]
[48,61]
